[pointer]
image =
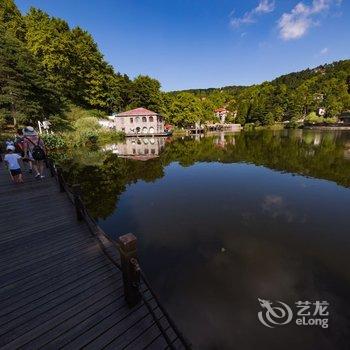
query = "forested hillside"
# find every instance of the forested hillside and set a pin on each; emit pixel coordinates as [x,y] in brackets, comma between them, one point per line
[49,70]
[291,96]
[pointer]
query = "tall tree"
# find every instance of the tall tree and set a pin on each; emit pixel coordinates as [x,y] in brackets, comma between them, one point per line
[185,109]
[145,92]
[11,19]
[24,94]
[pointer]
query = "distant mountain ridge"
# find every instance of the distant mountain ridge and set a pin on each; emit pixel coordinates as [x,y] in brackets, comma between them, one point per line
[288,78]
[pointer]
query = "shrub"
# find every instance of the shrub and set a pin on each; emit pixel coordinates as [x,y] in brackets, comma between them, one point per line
[312,118]
[87,123]
[60,124]
[331,120]
[53,141]
[106,136]
[89,137]
[75,113]
[293,124]
[268,119]
[249,126]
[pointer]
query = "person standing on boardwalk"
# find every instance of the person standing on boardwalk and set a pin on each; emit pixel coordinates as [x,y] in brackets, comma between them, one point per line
[11,161]
[19,144]
[34,150]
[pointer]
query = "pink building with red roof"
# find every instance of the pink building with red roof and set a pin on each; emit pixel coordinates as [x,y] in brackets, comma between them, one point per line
[221,113]
[140,121]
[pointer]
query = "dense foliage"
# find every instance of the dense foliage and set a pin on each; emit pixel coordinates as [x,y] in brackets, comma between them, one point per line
[289,97]
[49,70]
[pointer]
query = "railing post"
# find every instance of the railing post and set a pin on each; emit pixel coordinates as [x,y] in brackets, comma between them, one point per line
[130,268]
[77,201]
[60,179]
[51,167]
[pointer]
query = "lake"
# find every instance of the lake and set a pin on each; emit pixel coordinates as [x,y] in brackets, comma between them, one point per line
[225,220]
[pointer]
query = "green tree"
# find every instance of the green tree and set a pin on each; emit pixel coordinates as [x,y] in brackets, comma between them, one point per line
[186,109]
[25,96]
[11,19]
[145,92]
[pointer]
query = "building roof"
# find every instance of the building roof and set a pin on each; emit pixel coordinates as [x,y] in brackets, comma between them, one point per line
[136,112]
[220,110]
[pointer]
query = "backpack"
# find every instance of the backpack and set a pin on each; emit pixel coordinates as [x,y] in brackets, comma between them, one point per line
[37,152]
[19,146]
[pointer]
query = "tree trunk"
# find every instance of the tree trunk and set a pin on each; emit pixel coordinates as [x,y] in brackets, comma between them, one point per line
[13,113]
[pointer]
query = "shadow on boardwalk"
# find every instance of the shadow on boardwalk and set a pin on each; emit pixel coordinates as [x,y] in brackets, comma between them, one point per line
[57,288]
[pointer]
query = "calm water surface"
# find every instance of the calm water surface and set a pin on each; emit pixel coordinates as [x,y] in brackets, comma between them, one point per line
[228,219]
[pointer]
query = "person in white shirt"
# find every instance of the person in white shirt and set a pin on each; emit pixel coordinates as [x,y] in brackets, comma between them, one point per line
[12,163]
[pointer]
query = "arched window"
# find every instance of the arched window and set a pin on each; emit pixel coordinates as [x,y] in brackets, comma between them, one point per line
[137,119]
[138,130]
[151,130]
[144,119]
[144,130]
[151,119]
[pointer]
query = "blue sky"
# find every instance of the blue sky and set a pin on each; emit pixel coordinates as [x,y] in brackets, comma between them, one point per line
[202,43]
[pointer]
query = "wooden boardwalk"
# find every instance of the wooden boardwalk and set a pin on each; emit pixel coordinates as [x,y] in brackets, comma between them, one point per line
[57,288]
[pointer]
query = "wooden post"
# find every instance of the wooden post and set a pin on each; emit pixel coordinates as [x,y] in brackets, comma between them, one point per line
[77,201]
[60,179]
[49,164]
[130,268]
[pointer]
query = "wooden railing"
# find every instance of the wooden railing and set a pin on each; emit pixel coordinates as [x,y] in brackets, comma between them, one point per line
[126,245]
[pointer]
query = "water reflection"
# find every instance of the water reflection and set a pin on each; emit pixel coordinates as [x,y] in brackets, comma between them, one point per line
[347,150]
[141,148]
[228,219]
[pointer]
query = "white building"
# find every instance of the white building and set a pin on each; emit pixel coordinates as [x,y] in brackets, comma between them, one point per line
[321,112]
[221,114]
[139,121]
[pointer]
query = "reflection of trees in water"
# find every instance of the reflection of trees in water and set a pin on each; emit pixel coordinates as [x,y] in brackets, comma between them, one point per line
[309,153]
[103,183]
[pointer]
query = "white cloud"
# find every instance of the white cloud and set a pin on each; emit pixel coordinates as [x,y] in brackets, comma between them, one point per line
[264,6]
[238,21]
[295,24]
[323,52]
[275,207]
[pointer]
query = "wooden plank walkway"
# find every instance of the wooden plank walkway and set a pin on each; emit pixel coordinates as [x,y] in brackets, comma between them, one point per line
[57,288]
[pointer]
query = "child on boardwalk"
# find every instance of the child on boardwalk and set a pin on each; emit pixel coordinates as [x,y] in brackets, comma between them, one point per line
[11,160]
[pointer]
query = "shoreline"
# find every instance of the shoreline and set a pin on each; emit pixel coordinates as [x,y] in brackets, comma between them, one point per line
[328,128]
